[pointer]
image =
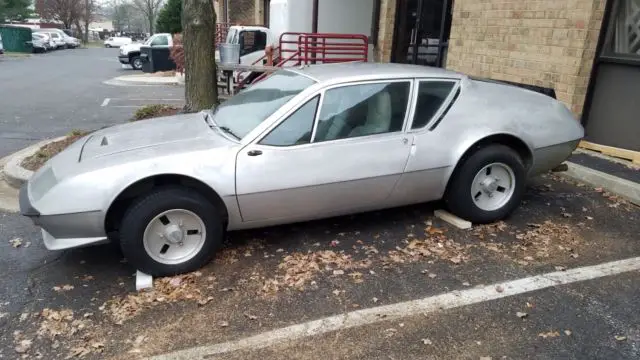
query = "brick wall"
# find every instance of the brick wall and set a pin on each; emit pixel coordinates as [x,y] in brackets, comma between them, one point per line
[242,12]
[548,43]
[382,51]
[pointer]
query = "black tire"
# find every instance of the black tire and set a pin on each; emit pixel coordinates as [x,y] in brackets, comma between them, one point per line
[458,195]
[147,207]
[136,62]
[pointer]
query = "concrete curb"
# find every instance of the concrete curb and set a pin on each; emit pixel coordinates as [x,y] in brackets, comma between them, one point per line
[621,187]
[143,80]
[14,174]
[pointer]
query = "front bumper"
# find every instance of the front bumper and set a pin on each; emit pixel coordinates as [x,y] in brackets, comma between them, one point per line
[65,231]
[124,59]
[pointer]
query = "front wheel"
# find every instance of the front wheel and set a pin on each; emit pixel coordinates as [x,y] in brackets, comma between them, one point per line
[136,63]
[488,185]
[170,231]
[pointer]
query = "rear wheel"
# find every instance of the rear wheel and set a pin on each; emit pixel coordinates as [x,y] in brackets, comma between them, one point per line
[170,231]
[488,185]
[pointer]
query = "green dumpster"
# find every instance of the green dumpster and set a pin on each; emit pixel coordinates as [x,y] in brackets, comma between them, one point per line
[16,38]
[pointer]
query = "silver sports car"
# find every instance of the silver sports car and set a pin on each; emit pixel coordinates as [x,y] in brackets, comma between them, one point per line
[305,143]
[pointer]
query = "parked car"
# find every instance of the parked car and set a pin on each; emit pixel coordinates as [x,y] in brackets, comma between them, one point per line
[130,53]
[39,42]
[1,46]
[70,41]
[57,40]
[304,143]
[117,41]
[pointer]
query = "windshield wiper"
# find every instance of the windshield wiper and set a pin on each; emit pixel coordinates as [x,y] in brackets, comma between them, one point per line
[212,124]
[228,131]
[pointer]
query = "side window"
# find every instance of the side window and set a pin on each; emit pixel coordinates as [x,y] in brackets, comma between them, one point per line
[296,129]
[160,41]
[251,41]
[431,96]
[359,110]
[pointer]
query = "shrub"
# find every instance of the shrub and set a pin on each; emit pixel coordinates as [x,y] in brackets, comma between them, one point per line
[177,53]
[155,110]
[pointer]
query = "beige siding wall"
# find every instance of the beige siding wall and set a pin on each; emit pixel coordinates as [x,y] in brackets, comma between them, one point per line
[549,43]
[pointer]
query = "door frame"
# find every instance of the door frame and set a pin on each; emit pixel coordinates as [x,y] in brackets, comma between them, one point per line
[401,25]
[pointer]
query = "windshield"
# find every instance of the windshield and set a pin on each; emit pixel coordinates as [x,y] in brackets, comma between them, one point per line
[245,111]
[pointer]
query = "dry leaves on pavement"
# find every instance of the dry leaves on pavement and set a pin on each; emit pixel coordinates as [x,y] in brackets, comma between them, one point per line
[165,290]
[300,268]
[435,245]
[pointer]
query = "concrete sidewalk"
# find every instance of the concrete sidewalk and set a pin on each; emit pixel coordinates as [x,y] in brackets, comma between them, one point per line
[146,80]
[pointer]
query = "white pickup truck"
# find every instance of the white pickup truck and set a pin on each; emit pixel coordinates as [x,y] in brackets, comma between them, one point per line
[252,39]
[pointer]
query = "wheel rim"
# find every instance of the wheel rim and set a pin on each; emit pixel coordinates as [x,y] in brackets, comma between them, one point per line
[174,236]
[137,63]
[493,186]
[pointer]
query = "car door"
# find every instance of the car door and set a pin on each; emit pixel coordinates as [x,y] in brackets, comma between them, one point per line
[425,176]
[342,150]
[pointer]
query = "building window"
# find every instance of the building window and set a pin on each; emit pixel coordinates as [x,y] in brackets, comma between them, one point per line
[623,36]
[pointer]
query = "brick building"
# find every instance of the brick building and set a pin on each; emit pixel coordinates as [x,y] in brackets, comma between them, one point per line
[587,51]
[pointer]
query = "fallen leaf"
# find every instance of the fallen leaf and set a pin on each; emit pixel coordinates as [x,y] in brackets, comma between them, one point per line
[620,338]
[522,315]
[466,283]
[23,346]
[375,300]
[567,215]
[338,272]
[226,289]
[427,341]
[23,316]
[574,255]
[334,243]
[336,292]
[561,268]
[63,288]
[223,324]
[485,357]
[176,281]
[589,217]
[528,258]
[16,242]
[549,334]
[205,301]
[250,317]
[390,332]
[456,260]
[433,276]
[568,332]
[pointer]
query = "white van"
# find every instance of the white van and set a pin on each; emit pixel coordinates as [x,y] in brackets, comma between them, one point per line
[117,41]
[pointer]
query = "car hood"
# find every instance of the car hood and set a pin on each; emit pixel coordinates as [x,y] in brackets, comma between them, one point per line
[130,47]
[178,130]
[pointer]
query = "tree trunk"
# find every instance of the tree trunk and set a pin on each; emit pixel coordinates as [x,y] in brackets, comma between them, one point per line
[199,33]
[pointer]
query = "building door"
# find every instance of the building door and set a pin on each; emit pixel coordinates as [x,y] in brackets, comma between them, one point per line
[612,111]
[422,32]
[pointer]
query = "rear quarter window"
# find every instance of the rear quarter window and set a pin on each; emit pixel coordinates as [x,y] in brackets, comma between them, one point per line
[431,97]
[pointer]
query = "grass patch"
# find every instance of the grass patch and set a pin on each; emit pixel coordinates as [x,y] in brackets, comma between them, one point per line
[16,54]
[155,110]
[35,161]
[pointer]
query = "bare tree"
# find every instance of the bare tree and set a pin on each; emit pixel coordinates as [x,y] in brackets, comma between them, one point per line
[150,10]
[66,11]
[199,33]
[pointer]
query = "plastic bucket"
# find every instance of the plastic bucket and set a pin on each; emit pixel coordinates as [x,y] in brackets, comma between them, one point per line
[229,54]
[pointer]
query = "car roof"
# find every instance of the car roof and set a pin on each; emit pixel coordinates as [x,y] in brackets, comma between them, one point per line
[368,70]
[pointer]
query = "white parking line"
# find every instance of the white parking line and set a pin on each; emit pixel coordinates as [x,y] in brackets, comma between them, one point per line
[426,305]
[105,102]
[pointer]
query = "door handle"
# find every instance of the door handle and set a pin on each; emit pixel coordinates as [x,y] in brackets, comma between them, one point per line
[254,152]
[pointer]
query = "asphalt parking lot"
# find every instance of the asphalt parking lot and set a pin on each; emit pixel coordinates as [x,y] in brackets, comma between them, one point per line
[278,277]
[48,95]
